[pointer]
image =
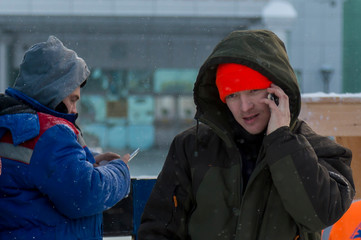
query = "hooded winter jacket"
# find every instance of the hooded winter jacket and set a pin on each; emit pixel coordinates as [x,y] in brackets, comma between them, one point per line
[301,182]
[49,188]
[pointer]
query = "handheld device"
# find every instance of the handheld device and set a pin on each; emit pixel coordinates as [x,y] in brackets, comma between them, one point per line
[273,97]
[134,154]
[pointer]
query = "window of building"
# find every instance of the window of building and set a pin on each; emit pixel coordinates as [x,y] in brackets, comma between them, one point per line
[124,109]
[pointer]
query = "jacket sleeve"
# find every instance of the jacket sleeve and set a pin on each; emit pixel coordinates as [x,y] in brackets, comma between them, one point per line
[60,170]
[312,175]
[166,211]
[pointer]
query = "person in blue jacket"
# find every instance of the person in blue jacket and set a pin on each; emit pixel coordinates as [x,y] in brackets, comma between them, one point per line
[51,186]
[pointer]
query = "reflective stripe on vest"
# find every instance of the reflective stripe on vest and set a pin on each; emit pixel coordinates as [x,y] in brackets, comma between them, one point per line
[81,140]
[18,153]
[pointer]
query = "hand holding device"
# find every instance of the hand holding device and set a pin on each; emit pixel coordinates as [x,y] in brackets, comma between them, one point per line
[280,114]
[103,158]
[103,162]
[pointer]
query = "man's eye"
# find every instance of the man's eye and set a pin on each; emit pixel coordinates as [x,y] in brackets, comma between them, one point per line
[231,96]
[74,100]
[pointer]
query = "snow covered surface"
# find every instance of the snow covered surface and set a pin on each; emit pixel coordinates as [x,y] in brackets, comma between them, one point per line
[322,94]
[319,96]
[332,114]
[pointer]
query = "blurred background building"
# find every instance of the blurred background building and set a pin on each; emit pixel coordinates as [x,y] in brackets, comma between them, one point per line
[145,54]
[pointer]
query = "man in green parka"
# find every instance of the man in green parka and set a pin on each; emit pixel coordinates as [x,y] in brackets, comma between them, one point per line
[249,169]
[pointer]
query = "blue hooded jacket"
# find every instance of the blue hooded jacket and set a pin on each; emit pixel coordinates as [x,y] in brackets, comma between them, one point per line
[49,188]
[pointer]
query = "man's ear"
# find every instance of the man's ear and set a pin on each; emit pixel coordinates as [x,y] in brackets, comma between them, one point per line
[61,108]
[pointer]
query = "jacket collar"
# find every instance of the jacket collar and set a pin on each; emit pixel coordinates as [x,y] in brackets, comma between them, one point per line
[38,106]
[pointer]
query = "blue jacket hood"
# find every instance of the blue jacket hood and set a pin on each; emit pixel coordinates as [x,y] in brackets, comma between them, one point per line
[50,72]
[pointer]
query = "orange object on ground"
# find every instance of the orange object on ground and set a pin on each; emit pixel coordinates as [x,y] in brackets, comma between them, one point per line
[349,225]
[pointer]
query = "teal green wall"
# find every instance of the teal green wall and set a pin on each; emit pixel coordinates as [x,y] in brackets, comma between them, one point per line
[352,46]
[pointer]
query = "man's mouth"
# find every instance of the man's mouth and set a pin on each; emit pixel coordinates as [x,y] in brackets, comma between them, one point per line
[250,118]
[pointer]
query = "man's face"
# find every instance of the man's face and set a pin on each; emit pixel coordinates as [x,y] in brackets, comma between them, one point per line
[248,111]
[71,100]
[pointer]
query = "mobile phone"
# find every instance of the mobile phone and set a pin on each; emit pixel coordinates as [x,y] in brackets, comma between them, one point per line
[134,154]
[273,97]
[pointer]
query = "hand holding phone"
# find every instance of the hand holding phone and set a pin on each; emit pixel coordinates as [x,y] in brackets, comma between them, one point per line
[103,158]
[280,114]
[111,157]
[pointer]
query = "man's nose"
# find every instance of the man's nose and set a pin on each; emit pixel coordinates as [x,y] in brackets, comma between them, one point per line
[246,103]
[73,110]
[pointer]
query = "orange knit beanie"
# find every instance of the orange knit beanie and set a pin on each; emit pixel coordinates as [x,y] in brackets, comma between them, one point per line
[232,77]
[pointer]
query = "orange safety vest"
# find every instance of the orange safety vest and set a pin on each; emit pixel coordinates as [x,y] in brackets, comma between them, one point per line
[349,225]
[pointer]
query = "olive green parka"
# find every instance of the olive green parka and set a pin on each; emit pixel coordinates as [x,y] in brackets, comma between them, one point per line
[302,181]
